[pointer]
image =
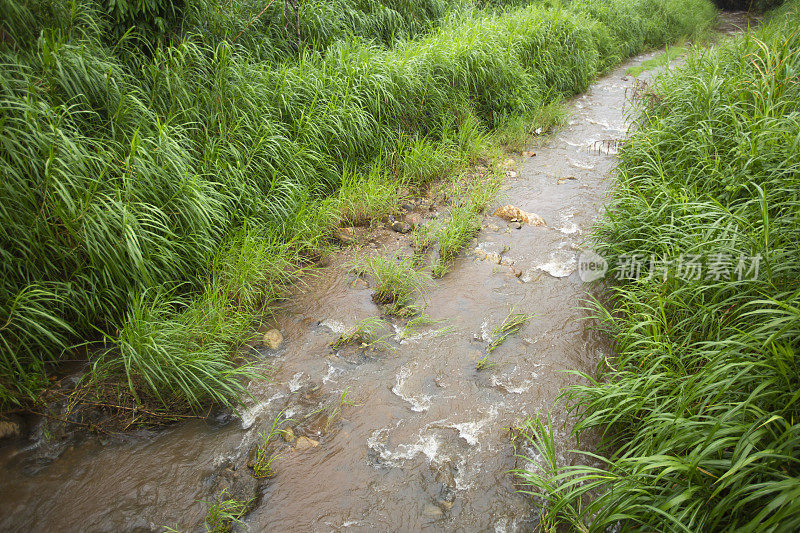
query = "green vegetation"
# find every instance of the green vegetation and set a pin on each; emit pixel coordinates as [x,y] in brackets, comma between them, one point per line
[511,324]
[167,166]
[224,513]
[262,462]
[662,59]
[364,334]
[698,409]
[396,284]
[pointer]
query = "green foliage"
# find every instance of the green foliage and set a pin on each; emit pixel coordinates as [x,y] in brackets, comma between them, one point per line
[698,408]
[396,283]
[199,160]
[225,512]
[511,324]
[364,333]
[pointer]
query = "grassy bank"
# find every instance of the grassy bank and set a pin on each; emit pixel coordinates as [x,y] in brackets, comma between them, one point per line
[698,408]
[167,169]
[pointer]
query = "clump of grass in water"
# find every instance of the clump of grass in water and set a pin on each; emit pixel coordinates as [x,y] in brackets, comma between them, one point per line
[364,333]
[464,221]
[396,283]
[262,462]
[225,512]
[511,324]
[333,411]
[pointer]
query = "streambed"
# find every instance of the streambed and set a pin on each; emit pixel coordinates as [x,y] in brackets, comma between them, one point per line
[421,441]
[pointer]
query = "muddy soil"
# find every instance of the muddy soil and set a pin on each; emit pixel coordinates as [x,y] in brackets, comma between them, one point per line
[421,441]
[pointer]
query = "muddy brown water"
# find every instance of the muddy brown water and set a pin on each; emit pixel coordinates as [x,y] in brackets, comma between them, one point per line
[424,444]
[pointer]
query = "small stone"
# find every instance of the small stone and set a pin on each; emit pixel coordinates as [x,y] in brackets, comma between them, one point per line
[432,511]
[251,457]
[272,339]
[415,219]
[9,429]
[528,154]
[445,505]
[303,443]
[401,227]
[344,235]
[507,261]
[288,435]
[516,225]
[360,283]
[494,257]
[511,174]
[513,213]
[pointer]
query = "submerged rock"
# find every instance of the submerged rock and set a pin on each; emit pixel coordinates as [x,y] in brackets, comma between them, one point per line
[433,511]
[304,443]
[288,435]
[272,339]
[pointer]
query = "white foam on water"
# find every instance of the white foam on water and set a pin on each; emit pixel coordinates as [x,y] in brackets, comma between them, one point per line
[294,383]
[427,445]
[469,431]
[582,166]
[252,413]
[332,371]
[504,382]
[334,325]
[419,403]
[562,263]
[486,335]
[398,335]
[568,227]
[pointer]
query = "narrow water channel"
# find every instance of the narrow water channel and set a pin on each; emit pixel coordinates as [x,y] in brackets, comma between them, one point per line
[422,441]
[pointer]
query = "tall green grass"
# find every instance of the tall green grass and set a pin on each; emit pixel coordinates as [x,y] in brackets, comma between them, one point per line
[204,158]
[698,409]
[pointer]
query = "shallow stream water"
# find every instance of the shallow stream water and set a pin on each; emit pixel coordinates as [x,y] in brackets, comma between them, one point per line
[422,441]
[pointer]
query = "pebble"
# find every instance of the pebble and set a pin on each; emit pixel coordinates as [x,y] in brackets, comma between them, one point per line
[344,235]
[303,443]
[432,511]
[516,225]
[9,429]
[272,339]
[401,227]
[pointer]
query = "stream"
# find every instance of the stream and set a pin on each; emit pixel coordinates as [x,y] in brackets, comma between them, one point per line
[421,441]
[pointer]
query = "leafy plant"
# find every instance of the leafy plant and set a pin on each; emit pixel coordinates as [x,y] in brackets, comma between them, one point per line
[225,512]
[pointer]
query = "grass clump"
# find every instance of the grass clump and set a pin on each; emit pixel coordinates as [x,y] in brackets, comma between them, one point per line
[512,323]
[671,53]
[698,406]
[396,284]
[364,334]
[263,458]
[224,513]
